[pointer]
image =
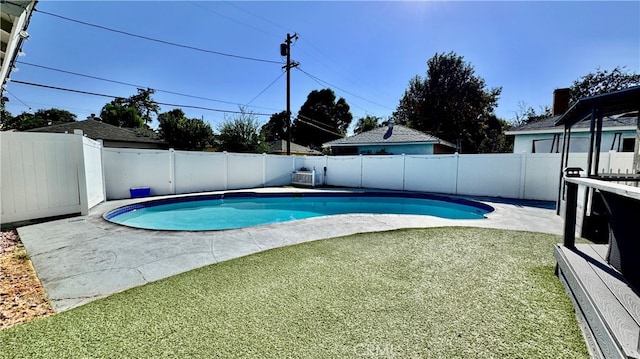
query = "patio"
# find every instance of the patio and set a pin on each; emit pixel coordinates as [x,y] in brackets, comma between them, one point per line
[82,259]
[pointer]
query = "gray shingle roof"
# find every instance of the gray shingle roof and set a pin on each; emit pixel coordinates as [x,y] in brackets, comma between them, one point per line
[101,131]
[384,135]
[280,146]
[549,124]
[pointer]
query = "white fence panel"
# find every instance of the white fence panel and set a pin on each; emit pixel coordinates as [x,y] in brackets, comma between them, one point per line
[542,176]
[93,171]
[617,162]
[39,176]
[199,171]
[385,172]
[278,170]
[344,171]
[496,175]
[431,173]
[244,170]
[126,168]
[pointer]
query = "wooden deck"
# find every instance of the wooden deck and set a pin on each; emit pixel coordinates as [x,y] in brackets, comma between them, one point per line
[607,307]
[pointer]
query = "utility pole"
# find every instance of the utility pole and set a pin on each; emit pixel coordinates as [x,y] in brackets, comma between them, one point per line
[285,50]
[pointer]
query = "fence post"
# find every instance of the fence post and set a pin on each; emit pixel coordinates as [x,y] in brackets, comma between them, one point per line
[457,157]
[570,215]
[264,169]
[172,171]
[82,174]
[404,169]
[360,155]
[523,174]
[226,170]
[104,178]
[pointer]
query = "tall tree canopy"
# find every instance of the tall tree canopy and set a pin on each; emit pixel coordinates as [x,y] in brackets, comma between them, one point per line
[321,119]
[603,81]
[134,111]
[451,102]
[184,133]
[41,118]
[276,128]
[366,123]
[240,134]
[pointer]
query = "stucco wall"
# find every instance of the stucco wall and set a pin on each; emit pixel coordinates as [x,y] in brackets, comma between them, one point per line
[579,141]
[425,149]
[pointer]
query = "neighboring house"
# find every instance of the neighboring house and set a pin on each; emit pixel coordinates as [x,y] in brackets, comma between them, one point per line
[111,136]
[15,15]
[390,140]
[280,148]
[618,132]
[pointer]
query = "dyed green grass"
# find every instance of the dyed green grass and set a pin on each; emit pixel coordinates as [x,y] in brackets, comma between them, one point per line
[436,293]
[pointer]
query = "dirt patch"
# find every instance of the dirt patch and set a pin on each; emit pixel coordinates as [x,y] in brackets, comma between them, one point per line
[22,297]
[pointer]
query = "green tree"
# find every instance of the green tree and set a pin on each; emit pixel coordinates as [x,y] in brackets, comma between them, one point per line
[5,116]
[184,133]
[41,118]
[451,102]
[495,140]
[603,81]
[145,105]
[132,112]
[240,134]
[116,113]
[276,128]
[321,119]
[366,123]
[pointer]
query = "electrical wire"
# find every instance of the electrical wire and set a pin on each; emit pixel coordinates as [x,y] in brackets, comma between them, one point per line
[16,97]
[158,40]
[141,86]
[343,90]
[111,96]
[266,88]
[302,119]
[198,4]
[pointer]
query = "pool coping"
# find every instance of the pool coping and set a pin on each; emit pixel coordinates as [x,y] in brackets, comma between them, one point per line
[84,258]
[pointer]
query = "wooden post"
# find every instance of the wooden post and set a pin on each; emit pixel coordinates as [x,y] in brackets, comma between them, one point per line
[570,215]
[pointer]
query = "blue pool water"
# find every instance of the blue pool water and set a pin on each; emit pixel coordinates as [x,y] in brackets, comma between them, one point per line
[237,210]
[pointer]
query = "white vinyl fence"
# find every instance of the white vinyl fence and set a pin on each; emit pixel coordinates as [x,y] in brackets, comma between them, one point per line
[177,172]
[524,176]
[45,175]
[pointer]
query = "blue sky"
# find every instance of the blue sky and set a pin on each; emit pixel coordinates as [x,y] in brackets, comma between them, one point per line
[366,50]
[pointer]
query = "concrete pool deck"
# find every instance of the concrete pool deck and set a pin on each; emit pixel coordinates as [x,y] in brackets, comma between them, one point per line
[81,259]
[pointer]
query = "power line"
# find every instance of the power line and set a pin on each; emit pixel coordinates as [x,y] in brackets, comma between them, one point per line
[343,90]
[158,40]
[111,96]
[141,86]
[302,119]
[16,97]
[232,19]
[266,88]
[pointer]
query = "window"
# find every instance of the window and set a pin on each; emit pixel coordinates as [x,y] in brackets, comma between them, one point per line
[628,144]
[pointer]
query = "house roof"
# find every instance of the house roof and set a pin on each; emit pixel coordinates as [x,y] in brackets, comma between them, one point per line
[280,146]
[396,135]
[606,104]
[549,124]
[102,131]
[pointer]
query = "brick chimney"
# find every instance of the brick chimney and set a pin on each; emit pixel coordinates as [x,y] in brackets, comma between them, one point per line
[560,101]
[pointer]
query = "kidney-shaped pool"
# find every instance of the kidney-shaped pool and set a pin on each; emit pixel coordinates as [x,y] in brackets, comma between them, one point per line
[245,209]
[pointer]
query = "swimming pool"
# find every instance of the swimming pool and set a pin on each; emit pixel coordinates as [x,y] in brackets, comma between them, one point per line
[245,209]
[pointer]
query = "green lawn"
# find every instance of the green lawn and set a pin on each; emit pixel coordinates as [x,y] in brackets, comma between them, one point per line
[436,293]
